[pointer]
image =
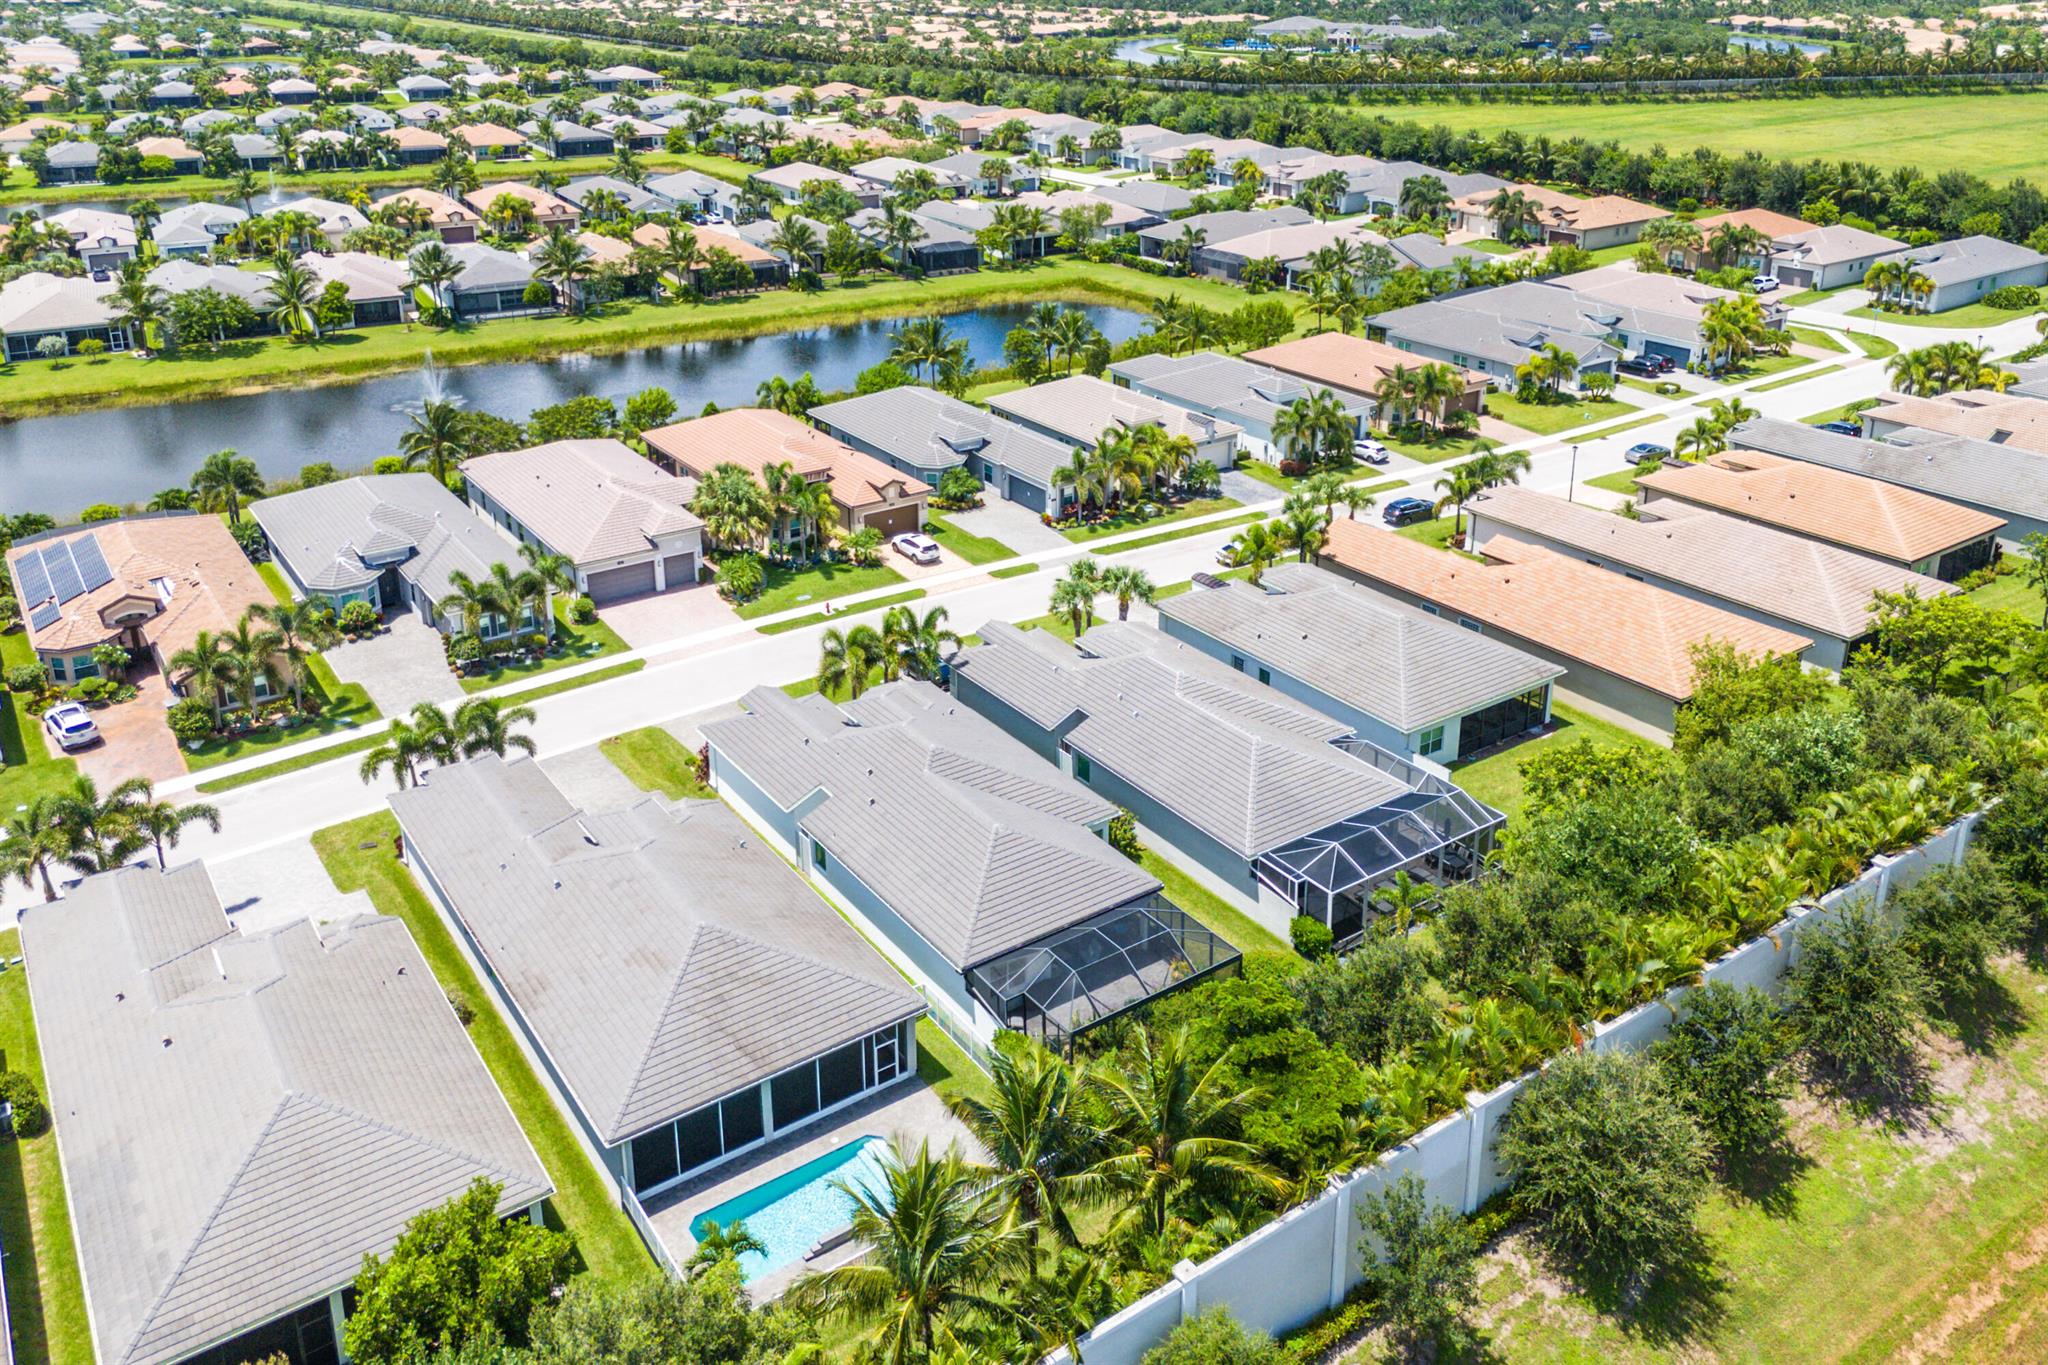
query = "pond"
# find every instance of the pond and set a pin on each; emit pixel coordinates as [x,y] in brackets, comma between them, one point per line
[1144,51]
[116,199]
[1763,44]
[63,464]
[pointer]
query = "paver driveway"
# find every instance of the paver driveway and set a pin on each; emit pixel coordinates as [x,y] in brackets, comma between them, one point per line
[400,668]
[135,740]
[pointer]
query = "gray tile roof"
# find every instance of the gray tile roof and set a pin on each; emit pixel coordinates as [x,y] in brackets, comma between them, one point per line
[1226,384]
[325,534]
[587,500]
[1080,408]
[1493,330]
[2000,478]
[1242,763]
[1967,258]
[179,276]
[1226,224]
[1394,662]
[1153,196]
[242,1119]
[1813,585]
[933,430]
[663,959]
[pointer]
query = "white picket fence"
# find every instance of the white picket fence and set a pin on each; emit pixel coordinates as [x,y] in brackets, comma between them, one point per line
[1303,1263]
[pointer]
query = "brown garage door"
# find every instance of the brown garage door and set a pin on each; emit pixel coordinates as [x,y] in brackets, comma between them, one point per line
[609,585]
[895,521]
[679,571]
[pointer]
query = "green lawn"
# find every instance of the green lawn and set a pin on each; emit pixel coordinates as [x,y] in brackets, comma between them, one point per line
[2009,592]
[942,1065]
[1013,571]
[1218,915]
[1969,315]
[1435,448]
[1437,533]
[1621,481]
[656,761]
[790,587]
[1117,525]
[343,706]
[1756,367]
[1547,419]
[561,685]
[45,1297]
[28,768]
[894,599]
[1840,414]
[1179,532]
[1497,778]
[972,548]
[580,644]
[358,856]
[1796,378]
[1819,340]
[1617,428]
[1876,347]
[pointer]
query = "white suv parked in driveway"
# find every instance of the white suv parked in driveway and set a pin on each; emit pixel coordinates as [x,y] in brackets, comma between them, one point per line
[70,725]
[916,547]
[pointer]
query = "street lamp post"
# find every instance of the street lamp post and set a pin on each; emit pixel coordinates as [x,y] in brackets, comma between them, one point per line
[1571,492]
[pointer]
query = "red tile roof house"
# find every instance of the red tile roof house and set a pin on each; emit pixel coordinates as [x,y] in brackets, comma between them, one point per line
[866,491]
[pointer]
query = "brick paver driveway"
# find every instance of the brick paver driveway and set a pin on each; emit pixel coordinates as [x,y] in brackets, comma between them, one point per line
[136,742]
[400,668]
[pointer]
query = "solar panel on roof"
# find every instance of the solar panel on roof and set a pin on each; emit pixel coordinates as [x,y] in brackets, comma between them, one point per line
[65,583]
[30,578]
[44,616]
[92,563]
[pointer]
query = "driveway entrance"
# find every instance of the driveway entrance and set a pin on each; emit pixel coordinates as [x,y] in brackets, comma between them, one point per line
[399,668]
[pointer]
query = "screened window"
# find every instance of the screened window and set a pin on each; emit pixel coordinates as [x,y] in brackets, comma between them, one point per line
[741,1115]
[697,1136]
[840,1074]
[654,1157]
[817,855]
[1083,770]
[795,1094]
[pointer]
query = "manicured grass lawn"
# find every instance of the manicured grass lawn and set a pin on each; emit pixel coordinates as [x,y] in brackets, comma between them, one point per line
[972,548]
[1053,623]
[1117,525]
[981,393]
[28,768]
[1760,365]
[1547,419]
[1969,315]
[1869,1245]
[1143,541]
[344,706]
[561,685]
[1876,347]
[1796,378]
[1819,340]
[1992,134]
[1216,914]
[45,1297]
[1435,448]
[795,587]
[813,618]
[1620,427]
[1620,481]
[580,644]
[1437,533]
[1491,247]
[2009,592]
[1497,778]
[1013,571]
[656,761]
[1840,414]
[611,1247]
[945,1068]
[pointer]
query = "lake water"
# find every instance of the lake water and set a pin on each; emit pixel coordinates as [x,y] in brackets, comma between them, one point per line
[117,201]
[1764,44]
[1140,51]
[65,463]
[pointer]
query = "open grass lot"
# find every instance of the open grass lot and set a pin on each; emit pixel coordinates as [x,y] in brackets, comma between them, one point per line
[791,587]
[1547,419]
[28,769]
[581,644]
[1117,525]
[1876,347]
[1924,1244]
[656,761]
[36,387]
[358,856]
[45,1297]
[1994,135]
[2009,592]
[1497,778]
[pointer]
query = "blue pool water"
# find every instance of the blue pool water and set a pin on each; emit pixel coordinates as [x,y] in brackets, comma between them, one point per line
[791,1212]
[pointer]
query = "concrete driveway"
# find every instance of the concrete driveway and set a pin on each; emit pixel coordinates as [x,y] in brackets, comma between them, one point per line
[135,742]
[658,617]
[1014,524]
[277,886]
[400,668]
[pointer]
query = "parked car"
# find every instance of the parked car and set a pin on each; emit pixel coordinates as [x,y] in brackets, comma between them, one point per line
[1371,451]
[1648,450]
[1641,366]
[916,547]
[1842,428]
[101,276]
[1226,554]
[1763,284]
[1407,512]
[70,725]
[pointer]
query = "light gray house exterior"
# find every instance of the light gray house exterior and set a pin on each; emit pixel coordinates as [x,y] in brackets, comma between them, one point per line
[925,433]
[1965,269]
[1231,390]
[243,1118]
[1220,226]
[1410,682]
[689,999]
[983,873]
[1827,257]
[1493,335]
[1078,409]
[1279,807]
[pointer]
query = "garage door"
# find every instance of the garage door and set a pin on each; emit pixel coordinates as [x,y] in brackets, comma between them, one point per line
[895,521]
[609,585]
[679,571]
[1666,349]
[1797,279]
[1027,493]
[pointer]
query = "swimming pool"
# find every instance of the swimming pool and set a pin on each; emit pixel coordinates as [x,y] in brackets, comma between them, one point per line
[791,1212]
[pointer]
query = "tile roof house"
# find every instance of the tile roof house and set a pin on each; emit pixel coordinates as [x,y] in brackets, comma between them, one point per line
[379,288]
[1965,269]
[1233,390]
[1280,807]
[1410,682]
[1338,360]
[100,238]
[1774,227]
[786,182]
[453,219]
[2001,419]
[1080,408]
[689,996]
[1827,257]
[418,146]
[150,583]
[489,141]
[925,433]
[1997,480]
[1602,221]
[178,275]
[242,1119]
[195,229]
[1220,226]
[1007,862]
[1927,535]
[1799,585]
[621,520]
[1626,647]
[391,540]
[549,210]
[866,491]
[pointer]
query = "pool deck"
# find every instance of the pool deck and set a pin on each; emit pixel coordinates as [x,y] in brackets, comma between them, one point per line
[909,1109]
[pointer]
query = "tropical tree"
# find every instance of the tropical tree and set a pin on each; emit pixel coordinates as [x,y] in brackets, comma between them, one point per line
[292,292]
[848,660]
[431,267]
[563,261]
[164,821]
[919,643]
[438,435]
[1457,488]
[253,651]
[475,602]
[927,345]
[302,627]
[224,481]
[1703,438]
[207,667]
[1549,369]
[136,304]
[1074,596]
[483,725]
[1304,526]
[721,1243]
[409,744]
[1127,583]
[99,831]
[1037,1140]
[30,841]
[1511,212]
[1257,547]
[1424,198]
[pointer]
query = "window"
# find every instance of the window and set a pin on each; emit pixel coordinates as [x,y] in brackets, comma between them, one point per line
[795,1094]
[1431,610]
[1470,624]
[654,1157]
[1237,662]
[1083,770]
[841,1074]
[82,666]
[1266,675]
[740,1117]
[818,858]
[1430,741]
[697,1136]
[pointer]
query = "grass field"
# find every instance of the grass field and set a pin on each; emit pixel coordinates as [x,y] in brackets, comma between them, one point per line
[1497,778]
[28,768]
[1547,419]
[1997,136]
[656,761]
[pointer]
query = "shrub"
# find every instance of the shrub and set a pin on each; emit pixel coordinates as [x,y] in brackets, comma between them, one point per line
[27,678]
[100,511]
[1311,937]
[2015,835]
[1373,1004]
[92,348]
[465,649]
[582,611]
[1726,1059]
[1123,834]
[318,473]
[2014,296]
[1606,1160]
[10,612]
[1215,1338]
[110,657]
[31,1115]
[1954,920]
[357,617]
[249,536]
[387,464]
[465,1013]
[189,718]
[1856,996]
[537,295]
[958,488]
[91,690]
[1422,1263]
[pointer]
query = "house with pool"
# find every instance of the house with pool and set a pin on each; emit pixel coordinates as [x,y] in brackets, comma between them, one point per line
[1280,808]
[985,875]
[697,1010]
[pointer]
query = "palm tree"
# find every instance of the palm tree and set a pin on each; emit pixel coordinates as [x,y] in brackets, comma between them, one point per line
[1084,472]
[731,506]
[847,660]
[438,435]
[918,642]
[301,627]
[1127,583]
[164,821]
[797,240]
[407,744]
[1423,198]
[136,304]
[291,294]
[562,260]
[432,268]
[475,602]
[484,725]
[1036,1139]
[1730,413]
[935,1251]
[99,832]
[1304,526]
[224,480]
[1703,438]
[254,654]
[1074,595]
[553,573]
[1403,898]
[33,840]
[205,665]
[146,214]
[1257,548]
[1510,211]
[1457,488]
[1171,1124]
[922,343]
[722,1242]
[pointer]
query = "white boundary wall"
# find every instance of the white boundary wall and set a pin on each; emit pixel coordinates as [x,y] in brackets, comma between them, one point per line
[1303,1263]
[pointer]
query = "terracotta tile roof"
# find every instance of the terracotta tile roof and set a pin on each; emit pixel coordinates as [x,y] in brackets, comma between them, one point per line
[444,209]
[656,235]
[1601,619]
[1979,414]
[1771,225]
[1827,504]
[1554,208]
[545,205]
[754,438]
[1343,361]
[487,135]
[408,138]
